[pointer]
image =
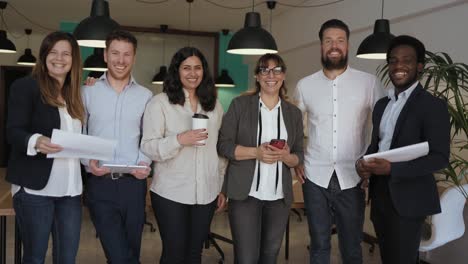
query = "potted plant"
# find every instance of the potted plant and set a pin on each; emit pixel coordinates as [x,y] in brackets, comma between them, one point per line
[448,80]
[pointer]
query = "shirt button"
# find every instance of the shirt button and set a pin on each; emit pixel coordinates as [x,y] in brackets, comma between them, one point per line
[334,115]
[334,131]
[334,147]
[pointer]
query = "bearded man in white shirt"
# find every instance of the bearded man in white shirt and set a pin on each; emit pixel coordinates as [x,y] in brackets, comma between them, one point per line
[338,101]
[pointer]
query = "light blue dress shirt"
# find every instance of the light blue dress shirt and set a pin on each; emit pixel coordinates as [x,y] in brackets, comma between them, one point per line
[391,114]
[116,116]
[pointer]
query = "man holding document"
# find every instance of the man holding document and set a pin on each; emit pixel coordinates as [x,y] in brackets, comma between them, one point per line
[403,193]
[114,110]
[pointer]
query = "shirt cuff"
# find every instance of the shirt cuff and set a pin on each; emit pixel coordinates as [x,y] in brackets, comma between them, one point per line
[31,151]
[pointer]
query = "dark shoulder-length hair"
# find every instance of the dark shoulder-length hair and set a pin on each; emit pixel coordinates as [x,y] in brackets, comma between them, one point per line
[49,87]
[206,91]
[263,63]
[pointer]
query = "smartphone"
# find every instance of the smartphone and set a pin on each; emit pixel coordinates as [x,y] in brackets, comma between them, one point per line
[278,143]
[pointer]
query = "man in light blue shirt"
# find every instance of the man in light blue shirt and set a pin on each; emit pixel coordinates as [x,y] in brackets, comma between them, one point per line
[114,109]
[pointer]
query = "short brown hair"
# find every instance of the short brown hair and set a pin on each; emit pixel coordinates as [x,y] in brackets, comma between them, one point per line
[123,35]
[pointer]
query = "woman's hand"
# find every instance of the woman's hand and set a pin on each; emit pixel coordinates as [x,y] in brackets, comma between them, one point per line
[43,145]
[141,173]
[283,153]
[90,81]
[192,137]
[221,204]
[266,155]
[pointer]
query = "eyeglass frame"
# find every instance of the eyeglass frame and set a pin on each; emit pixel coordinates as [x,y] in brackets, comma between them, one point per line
[264,71]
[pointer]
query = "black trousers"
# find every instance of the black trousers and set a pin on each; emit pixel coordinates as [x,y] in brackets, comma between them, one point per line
[183,229]
[117,210]
[398,236]
[257,229]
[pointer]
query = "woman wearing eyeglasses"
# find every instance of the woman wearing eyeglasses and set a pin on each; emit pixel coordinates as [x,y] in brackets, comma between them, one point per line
[258,179]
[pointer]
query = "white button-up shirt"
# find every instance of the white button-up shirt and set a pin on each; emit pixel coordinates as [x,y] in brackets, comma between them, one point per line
[184,174]
[65,175]
[391,114]
[338,121]
[267,189]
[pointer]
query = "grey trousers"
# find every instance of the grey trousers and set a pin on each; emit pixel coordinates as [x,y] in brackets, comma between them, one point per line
[257,229]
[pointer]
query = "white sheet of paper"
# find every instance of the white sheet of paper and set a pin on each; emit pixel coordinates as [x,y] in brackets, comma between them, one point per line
[82,146]
[405,153]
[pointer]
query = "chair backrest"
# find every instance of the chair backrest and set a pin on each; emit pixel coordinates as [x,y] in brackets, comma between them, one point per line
[449,224]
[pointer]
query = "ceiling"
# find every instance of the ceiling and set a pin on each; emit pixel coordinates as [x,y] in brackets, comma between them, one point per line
[46,15]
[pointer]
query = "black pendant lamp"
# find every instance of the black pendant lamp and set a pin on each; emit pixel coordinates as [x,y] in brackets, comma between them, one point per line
[27,58]
[6,46]
[95,62]
[161,75]
[224,80]
[93,30]
[375,46]
[252,39]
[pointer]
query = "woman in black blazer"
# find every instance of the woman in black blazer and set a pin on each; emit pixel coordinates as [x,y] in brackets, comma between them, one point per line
[258,179]
[46,191]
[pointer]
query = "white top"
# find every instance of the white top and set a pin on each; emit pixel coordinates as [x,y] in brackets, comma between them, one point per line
[338,120]
[267,187]
[188,175]
[391,114]
[65,175]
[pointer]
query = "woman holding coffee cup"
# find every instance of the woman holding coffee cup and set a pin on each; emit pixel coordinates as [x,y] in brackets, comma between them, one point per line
[180,131]
[261,136]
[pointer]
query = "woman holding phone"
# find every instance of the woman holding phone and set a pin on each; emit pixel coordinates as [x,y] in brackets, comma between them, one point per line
[261,135]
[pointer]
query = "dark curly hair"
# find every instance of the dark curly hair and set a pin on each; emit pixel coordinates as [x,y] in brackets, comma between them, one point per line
[206,91]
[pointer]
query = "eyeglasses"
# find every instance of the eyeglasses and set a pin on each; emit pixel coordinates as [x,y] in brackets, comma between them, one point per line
[265,71]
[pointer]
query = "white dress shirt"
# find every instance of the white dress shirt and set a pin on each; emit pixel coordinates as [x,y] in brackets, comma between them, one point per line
[391,114]
[184,174]
[267,189]
[338,120]
[65,175]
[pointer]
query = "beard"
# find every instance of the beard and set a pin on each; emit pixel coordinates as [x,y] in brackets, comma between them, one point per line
[403,85]
[329,64]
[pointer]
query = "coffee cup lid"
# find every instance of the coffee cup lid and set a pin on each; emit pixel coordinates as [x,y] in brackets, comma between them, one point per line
[198,115]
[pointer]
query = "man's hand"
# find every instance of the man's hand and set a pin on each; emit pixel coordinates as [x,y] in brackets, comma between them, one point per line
[141,173]
[96,170]
[221,204]
[377,166]
[300,174]
[43,145]
[90,81]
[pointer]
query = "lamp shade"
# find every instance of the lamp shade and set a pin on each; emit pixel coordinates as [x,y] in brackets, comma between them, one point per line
[6,46]
[224,80]
[27,58]
[160,76]
[375,46]
[95,62]
[252,39]
[93,30]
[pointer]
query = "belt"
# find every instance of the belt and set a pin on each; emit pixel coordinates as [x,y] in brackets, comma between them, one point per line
[116,176]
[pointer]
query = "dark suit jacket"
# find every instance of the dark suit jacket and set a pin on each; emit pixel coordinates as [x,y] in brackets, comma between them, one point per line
[412,185]
[27,115]
[239,127]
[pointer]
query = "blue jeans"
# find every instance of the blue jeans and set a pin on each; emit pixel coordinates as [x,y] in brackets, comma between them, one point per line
[38,216]
[328,206]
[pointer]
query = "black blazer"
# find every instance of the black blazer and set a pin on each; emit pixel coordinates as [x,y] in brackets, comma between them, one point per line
[239,127]
[412,185]
[27,115]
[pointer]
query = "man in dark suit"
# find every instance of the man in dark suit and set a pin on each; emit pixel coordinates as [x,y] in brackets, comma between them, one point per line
[404,193]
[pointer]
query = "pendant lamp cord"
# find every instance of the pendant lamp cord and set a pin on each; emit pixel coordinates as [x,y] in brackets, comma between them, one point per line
[189,22]
[253,5]
[382,8]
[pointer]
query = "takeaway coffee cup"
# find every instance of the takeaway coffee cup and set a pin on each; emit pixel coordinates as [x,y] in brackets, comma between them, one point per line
[200,121]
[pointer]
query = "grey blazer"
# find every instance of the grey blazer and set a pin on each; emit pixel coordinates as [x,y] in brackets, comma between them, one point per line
[239,127]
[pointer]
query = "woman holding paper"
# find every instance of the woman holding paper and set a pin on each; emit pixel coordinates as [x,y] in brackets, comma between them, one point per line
[46,192]
[262,137]
[180,130]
